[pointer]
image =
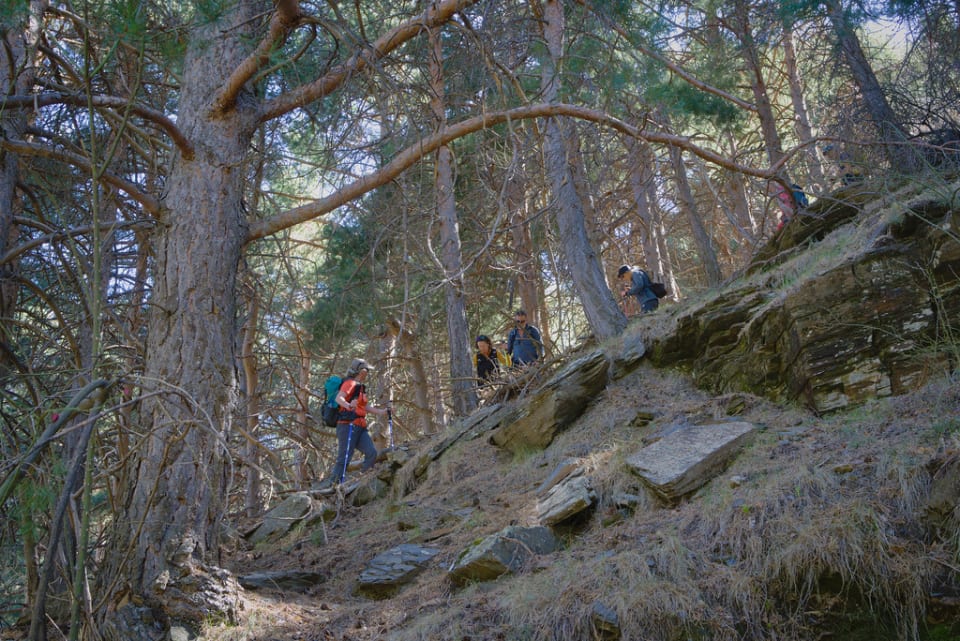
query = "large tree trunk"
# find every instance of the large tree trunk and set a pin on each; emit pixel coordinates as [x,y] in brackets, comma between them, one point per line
[16,77]
[169,531]
[17,73]
[599,305]
[461,369]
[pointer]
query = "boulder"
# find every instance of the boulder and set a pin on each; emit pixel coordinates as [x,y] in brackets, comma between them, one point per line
[688,457]
[605,622]
[368,491]
[558,403]
[284,516]
[940,509]
[506,551]
[387,572]
[630,354]
[565,498]
[296,580]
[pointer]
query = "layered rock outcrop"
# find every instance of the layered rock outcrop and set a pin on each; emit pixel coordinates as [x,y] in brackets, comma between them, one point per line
[880,315]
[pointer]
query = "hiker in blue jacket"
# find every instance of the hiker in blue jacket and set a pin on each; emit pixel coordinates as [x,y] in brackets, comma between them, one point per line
[637,283]
[524,344]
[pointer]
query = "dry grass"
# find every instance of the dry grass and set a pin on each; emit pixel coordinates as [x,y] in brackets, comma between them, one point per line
[816,527]
[821,524]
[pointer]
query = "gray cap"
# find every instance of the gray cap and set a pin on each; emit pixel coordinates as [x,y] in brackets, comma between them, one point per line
[357,365]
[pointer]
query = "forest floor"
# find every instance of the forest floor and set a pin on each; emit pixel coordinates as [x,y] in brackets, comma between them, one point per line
[813,500]
[866,461]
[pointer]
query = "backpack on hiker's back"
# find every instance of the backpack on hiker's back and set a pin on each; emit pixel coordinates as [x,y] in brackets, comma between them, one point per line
[330,411]
[330,408]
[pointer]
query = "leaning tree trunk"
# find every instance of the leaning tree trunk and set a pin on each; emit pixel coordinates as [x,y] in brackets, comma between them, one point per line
[643,189]
[711,266]
[605,317]
[522,290]
[761,98]
[801,121]
[888,126]
[168,532]
[251,381]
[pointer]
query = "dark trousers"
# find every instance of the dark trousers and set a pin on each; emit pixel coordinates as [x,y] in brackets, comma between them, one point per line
[349,439]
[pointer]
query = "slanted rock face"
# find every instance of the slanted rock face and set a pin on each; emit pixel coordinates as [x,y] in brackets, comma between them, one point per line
[284,516]
[506,551]
[857,331]
[560,402]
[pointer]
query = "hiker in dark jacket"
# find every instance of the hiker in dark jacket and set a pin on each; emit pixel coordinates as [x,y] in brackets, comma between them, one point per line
[637,283]
[524,344]
[352,431]
[487,360]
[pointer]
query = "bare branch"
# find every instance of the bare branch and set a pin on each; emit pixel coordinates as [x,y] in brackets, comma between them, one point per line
[284,20]
[48,98]
[411,155]
[150,204]
[364,58]
[62,234]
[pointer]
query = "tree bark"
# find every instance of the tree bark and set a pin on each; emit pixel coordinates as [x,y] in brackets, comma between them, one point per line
[708,256]
[17,73]
[601,310]
[171,522]
[463,388]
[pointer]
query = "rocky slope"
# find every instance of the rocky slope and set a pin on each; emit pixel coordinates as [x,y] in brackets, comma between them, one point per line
[779,459]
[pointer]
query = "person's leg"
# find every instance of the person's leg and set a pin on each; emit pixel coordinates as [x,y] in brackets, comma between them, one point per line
[344,452]
[365,444]
[650,305]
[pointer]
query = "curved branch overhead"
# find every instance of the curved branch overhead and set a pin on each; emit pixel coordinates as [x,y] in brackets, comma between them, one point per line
[48,98]
[284,20]
[363,59]
[150,204]
[413,154]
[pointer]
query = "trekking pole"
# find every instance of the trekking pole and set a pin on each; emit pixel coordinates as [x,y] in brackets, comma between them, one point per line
[390,428]
[346,456]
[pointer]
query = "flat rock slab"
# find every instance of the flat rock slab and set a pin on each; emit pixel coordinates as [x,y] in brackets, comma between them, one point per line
[566,499]
[281,580]
[689,457]
[389,570]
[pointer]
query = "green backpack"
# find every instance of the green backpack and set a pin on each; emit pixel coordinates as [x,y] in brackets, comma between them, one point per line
[330,408]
